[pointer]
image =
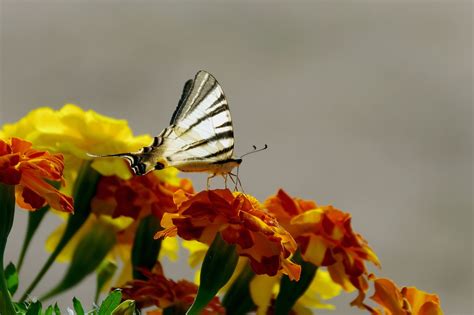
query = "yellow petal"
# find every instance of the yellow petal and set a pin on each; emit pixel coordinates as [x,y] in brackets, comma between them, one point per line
[261,291]
[169,248]
[197,251]
[321,288]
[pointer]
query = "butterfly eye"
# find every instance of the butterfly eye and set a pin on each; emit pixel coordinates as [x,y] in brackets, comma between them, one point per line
[159,166]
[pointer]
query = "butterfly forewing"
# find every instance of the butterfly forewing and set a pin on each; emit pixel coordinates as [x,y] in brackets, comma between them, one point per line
[200,137]
[202,124]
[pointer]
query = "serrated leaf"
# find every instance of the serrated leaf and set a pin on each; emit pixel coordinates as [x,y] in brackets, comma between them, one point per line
[110,302]
[77,306]
[49,310]
[34,308]
[11,275]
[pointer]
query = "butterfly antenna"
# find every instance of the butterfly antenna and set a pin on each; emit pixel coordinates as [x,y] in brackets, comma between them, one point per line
[255,150]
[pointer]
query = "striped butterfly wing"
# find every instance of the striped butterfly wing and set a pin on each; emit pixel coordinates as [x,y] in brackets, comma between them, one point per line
[200,132]
[201,126]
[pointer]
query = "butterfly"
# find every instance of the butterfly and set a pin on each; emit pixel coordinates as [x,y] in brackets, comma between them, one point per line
[200,137]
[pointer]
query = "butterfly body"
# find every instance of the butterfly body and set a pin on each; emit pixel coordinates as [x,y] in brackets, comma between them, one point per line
[200,136]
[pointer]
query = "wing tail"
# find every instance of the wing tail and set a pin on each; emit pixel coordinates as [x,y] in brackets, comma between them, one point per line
[139,164]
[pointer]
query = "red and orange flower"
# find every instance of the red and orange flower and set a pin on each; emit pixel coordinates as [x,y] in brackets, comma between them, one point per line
[407,301]
[325,237]
[121,204]
[137,197]
[164,293]
[27,168]
[241,221]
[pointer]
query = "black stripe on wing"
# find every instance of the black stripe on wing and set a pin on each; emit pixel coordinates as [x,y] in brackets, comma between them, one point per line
[226,124]
[220,136]
[215,112]
[213,155]
[194,92]
[184,96]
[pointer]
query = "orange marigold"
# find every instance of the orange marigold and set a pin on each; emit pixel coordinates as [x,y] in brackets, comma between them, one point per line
[257,234]
[27,168]
[163,293]
[325,237]
[407,301]
[137,197]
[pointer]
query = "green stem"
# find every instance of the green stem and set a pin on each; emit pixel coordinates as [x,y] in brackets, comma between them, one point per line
[84,190]
[34,220]
[7,213]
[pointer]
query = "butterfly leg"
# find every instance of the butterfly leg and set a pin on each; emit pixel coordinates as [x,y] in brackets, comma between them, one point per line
[240,183]
[209,180]
[233,181]
[225,180]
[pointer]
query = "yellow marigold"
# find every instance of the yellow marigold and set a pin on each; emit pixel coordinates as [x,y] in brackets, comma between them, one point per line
[264,289]
[74,133]
[325,237]
[257,234]
[407,301]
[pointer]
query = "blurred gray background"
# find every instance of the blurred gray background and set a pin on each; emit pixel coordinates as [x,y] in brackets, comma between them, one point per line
[365,105]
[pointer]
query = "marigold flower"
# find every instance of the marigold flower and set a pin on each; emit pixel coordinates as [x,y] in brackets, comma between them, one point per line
[257,234]
[121,204]
[325,237]
[138,196]
[27,168]
[74,133]
[407,301]
[161,292]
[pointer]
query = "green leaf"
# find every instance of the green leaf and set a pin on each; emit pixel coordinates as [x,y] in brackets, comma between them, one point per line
[88,254]
[34,220]
[21,308]
[145,248]
[49,310]
[237,299]
[7,213]
[110,302]
[291,291]
[78,306]
[57,311]
[105,272]
[127,307]
[217,268]
[84,190]
[11,276]
[34,308]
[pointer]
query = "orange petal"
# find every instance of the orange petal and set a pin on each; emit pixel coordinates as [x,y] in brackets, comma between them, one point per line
[388,295]
[52,196]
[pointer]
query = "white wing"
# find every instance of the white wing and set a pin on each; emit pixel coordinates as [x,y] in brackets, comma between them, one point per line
[200,135]
[201,126]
